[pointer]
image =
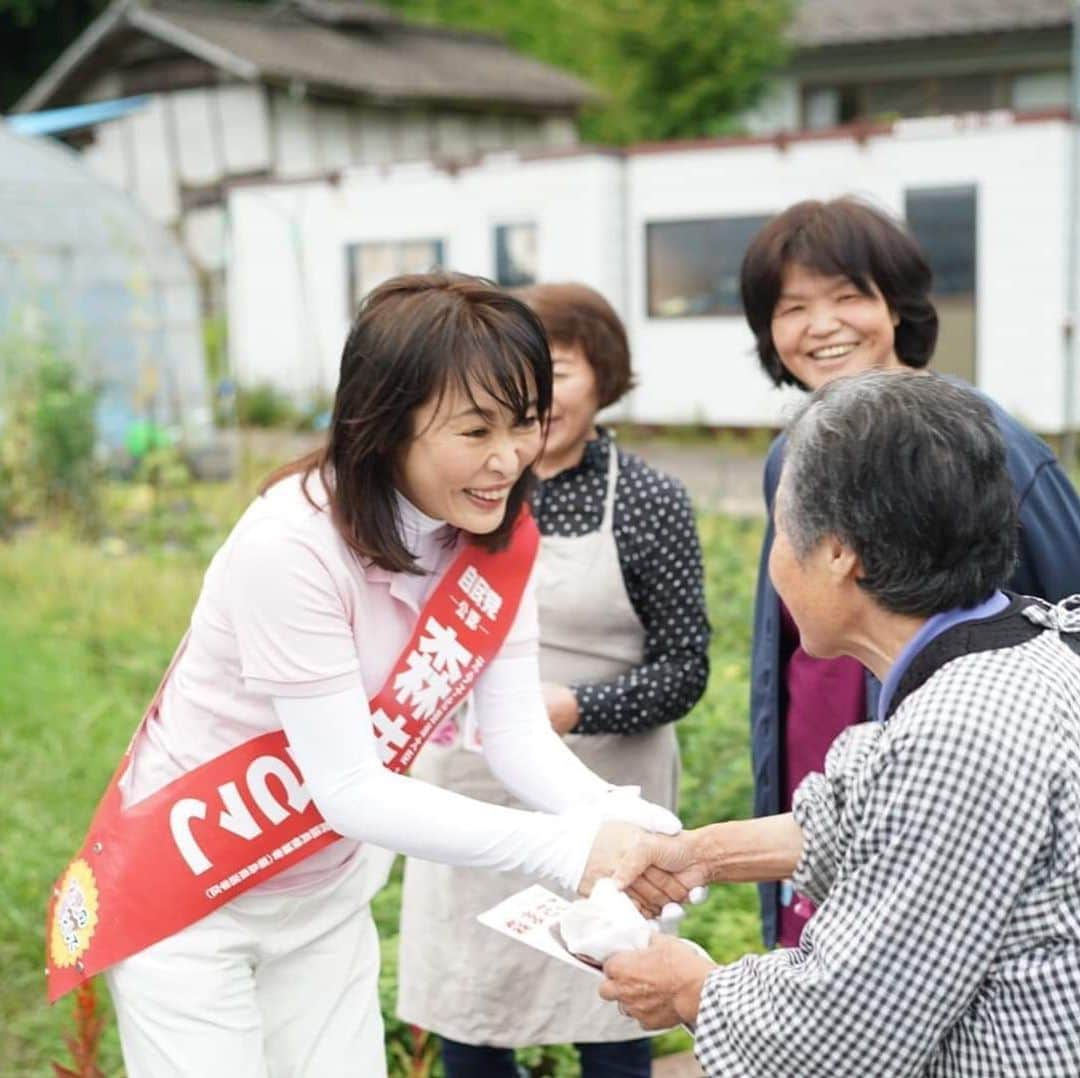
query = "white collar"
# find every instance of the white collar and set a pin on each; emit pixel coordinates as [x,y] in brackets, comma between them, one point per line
[416,527]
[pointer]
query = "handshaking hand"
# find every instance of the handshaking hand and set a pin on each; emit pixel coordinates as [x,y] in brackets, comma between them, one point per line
[653,869]
[736,851]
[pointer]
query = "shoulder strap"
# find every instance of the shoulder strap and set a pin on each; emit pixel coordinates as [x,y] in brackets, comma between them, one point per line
[612,483]
[1007,629]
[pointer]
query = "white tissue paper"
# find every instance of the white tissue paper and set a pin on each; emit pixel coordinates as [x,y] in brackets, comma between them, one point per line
[603,924]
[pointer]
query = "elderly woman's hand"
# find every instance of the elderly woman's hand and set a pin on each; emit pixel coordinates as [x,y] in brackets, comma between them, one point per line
[623,847]
[659,986]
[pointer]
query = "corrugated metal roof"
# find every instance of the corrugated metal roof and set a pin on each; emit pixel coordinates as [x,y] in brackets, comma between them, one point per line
[821,23]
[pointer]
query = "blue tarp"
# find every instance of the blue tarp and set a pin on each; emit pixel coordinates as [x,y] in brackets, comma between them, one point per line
[57,121]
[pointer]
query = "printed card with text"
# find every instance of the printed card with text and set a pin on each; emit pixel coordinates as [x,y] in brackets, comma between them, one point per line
[532,917]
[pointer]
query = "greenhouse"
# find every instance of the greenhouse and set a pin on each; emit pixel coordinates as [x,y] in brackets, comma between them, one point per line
[85,276]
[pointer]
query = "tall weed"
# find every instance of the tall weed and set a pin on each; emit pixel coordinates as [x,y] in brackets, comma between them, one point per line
[48,467]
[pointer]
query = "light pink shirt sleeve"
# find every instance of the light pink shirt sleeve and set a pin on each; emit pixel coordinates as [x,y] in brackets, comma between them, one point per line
[293,631]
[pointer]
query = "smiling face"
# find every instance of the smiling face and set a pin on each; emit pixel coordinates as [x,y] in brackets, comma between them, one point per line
[464,458]
[574,404]
[824,327]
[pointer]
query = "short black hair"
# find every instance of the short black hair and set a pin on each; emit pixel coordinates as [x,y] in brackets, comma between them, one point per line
[909,471]
[841,238]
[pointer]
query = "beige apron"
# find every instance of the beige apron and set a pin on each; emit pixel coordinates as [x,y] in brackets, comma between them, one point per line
[467,982]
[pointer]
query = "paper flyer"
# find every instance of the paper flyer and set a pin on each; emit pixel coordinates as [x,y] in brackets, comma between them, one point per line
[532,917]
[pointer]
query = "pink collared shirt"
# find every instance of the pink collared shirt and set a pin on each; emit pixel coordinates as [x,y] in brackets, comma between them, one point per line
[287,609]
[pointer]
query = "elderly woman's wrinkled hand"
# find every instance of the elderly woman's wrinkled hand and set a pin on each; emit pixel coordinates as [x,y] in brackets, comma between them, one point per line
[677,859]
[659,986]
[629,854]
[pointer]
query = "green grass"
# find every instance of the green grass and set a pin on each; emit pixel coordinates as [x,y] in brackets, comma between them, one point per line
[85,632]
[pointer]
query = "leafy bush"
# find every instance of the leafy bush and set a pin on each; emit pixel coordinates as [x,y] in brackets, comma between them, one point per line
[47,438]
[264,405]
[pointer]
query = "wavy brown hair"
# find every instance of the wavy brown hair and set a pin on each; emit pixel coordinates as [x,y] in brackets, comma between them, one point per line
[414,337]
[576,315]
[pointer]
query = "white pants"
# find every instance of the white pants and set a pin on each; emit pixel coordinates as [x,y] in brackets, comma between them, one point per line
[269,986]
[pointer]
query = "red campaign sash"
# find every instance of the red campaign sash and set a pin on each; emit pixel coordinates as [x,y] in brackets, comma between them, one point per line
[146,872]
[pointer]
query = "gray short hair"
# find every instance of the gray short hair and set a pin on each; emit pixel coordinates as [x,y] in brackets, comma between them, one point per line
[909,471]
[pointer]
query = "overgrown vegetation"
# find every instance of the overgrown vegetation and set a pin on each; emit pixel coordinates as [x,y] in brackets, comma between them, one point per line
[662,68]
[86,629]
[48,469]
[264,405]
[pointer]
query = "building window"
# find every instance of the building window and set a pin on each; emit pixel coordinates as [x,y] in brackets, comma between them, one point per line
[943,221]
[821,107]
[515,255]
[883,101]
[369,264]
[693,266]
[1040,90]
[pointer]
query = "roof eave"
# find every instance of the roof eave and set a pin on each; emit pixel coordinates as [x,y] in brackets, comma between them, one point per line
[128,13]
[818,44]
[159,26]
[572,101]
[40,93]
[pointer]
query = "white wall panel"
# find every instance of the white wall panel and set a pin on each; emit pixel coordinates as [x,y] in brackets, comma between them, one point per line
[198,136]
[245,121]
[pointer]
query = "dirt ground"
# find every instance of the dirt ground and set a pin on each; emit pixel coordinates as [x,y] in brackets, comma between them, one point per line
[683,1065]
[718,479]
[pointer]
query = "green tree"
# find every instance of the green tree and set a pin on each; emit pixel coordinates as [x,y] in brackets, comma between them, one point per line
[663,68]
[693,65]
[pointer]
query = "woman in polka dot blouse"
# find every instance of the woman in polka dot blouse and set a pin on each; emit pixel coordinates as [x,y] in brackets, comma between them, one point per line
[624,653]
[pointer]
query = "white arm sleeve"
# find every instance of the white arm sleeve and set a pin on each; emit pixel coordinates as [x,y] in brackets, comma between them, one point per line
[332,743]
[533,762]
[522,750]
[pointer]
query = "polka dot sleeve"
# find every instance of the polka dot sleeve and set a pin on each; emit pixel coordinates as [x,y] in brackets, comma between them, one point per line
[661,562]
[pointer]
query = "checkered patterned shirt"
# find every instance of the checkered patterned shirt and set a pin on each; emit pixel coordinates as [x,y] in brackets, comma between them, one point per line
[944,850]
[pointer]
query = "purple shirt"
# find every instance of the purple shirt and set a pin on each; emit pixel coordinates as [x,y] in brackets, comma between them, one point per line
[822,698]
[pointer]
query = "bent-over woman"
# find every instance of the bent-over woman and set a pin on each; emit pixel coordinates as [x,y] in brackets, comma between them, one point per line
[226,880]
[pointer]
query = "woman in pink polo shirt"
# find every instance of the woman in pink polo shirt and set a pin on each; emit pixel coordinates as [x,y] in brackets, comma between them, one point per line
[444,390]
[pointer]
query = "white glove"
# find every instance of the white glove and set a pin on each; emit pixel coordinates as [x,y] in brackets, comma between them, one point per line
[625,803]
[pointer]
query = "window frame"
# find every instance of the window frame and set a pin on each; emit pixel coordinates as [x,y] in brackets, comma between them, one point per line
[734,311]
[502,227]
[439,247]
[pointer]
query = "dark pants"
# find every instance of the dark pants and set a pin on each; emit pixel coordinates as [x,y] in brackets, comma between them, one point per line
[615,1059]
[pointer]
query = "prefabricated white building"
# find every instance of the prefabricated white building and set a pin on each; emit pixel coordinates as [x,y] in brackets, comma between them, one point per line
[661,230]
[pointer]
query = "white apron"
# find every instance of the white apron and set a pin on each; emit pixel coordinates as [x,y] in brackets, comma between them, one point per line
[456,977]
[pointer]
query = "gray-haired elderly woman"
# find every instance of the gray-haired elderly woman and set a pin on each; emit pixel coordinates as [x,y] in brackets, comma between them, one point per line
[943,841]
